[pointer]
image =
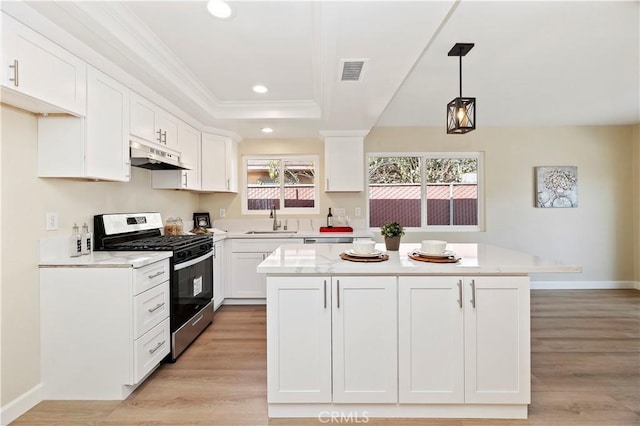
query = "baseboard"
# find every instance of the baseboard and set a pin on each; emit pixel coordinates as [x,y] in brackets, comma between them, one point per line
[21,404]
[584,285]
[256,301]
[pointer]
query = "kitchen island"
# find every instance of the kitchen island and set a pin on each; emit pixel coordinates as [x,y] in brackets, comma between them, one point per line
[399,338]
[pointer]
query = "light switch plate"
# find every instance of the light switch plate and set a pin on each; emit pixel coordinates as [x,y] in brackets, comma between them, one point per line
[52,221]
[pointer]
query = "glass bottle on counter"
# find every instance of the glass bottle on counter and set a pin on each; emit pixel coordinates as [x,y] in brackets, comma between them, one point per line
[86,239]
[75,242]
[329,219]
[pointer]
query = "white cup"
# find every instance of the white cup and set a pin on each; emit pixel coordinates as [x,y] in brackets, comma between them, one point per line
[363,246]
[433,246]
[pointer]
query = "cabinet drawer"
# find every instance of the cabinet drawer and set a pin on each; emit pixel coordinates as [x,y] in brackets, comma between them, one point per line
[150,276]
[149,350]
[150,308]
[262,245]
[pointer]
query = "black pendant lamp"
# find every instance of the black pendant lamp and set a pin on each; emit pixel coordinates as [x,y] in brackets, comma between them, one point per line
[461,112]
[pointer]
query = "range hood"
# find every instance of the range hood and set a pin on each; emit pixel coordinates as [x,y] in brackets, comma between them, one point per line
[154,158]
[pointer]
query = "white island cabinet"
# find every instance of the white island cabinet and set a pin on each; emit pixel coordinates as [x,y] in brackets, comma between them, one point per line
[400,338]
[104,323]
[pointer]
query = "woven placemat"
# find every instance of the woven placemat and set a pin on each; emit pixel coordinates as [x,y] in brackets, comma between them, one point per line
[450,259]
[381,258]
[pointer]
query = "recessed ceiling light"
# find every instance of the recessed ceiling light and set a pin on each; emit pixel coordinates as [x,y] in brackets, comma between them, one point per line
[259,88]
[219,9]
[267,130]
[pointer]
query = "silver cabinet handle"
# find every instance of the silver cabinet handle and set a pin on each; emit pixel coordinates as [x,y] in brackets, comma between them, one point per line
[158,346]
[159,132]
[164,137]
[325,294]
[228,184]
[473,293]
[155,275]
[186,179]
[338,294]
[158,306]
[460,293]
[16,72]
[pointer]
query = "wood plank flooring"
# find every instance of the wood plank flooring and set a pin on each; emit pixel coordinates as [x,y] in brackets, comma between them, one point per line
[585,371]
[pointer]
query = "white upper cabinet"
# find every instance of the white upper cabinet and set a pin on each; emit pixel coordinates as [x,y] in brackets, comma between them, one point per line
[189,141]
[150,123]
[38,75]
[94,147]
[219,163]
[344,164]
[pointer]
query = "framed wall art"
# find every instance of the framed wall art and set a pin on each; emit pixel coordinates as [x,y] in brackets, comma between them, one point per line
[557,186]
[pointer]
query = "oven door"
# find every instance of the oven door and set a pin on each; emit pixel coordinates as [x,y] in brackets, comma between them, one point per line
[192,288]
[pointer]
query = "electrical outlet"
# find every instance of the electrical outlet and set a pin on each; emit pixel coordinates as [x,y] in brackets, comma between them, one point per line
[358,212]
[222,212]
[52,221]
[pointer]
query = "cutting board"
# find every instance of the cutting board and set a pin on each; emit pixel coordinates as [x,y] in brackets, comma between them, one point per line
[336,229]
[434,259]
[345,256]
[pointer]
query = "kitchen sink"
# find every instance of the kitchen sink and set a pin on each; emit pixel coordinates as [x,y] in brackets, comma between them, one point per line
[271,232]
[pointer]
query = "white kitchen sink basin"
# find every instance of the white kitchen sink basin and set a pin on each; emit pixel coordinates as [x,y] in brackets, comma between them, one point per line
[271,232]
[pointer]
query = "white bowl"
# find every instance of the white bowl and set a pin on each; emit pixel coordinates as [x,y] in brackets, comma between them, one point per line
[363,246]
[433,246]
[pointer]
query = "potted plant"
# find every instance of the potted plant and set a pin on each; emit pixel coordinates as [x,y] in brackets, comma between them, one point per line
[392,231]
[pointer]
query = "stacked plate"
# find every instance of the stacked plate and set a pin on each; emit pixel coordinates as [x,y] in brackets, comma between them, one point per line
[374,253]
[444,254]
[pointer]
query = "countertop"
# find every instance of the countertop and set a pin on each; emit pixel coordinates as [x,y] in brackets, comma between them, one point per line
[107,259]
[476,259]
[299,234]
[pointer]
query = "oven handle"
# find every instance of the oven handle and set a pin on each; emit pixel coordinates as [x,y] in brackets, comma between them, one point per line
[192,261]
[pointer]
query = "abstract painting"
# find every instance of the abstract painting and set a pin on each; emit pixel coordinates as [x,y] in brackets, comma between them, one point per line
[557,186]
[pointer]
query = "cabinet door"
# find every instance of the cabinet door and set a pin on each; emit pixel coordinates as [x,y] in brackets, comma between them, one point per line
[107,139]
[245,281]
[430,340]
[189,139]
[231,151]
[144,118]
[365,340]
[344,164]
[299,339]
[497,340]
[214,163]
[218,274]
[168,126]
[36,67]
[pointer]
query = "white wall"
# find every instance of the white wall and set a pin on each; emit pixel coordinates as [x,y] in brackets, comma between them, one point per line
[25,200]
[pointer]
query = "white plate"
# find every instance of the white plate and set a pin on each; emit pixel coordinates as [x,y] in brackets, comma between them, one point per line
[446,253]
[375,253]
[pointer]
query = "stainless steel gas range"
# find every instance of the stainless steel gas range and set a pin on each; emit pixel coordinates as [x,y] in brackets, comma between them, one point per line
[191,293]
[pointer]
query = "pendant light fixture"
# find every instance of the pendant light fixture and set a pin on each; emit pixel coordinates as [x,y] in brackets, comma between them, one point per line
[461,112]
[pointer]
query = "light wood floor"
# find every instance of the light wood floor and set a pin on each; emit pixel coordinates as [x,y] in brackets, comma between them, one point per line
[585,371]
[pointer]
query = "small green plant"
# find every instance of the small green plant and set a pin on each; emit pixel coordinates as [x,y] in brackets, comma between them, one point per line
[392,229]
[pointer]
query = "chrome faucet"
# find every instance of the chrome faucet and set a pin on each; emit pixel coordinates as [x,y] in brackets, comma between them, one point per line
[276,223]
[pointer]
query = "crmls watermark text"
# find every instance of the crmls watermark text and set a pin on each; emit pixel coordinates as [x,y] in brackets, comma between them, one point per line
[342,417]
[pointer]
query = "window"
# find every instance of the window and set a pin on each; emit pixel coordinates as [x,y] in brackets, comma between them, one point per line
[438,191]
[284,182]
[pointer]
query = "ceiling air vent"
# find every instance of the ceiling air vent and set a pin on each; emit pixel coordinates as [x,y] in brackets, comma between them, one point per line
[351,69]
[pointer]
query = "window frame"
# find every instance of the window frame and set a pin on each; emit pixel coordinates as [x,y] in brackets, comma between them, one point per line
[282,210]
[424,156]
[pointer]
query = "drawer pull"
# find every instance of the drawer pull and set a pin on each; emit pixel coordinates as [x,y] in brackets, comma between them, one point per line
[158,346]
[155,275]
[15,80]
[158,306]
[197,321]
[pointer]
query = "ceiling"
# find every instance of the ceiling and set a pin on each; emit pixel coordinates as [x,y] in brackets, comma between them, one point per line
[542,63]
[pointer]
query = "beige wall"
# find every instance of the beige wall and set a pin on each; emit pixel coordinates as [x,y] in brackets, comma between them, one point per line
[25,200]
[596,235]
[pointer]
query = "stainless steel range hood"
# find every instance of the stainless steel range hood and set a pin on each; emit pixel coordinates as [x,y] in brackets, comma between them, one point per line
[154,158]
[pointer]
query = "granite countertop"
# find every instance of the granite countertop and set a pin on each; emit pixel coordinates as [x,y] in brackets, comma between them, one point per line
[476,259]
[107,259]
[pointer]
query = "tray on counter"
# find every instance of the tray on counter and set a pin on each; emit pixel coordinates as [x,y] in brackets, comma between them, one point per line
[423,258]
[381,258]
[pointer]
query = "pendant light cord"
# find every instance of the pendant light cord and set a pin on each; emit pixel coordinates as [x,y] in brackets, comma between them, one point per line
[460,72]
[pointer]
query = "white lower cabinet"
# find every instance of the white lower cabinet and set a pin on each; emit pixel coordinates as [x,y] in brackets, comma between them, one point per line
[331,339]
[103,330]
[218,274]
[464,340]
